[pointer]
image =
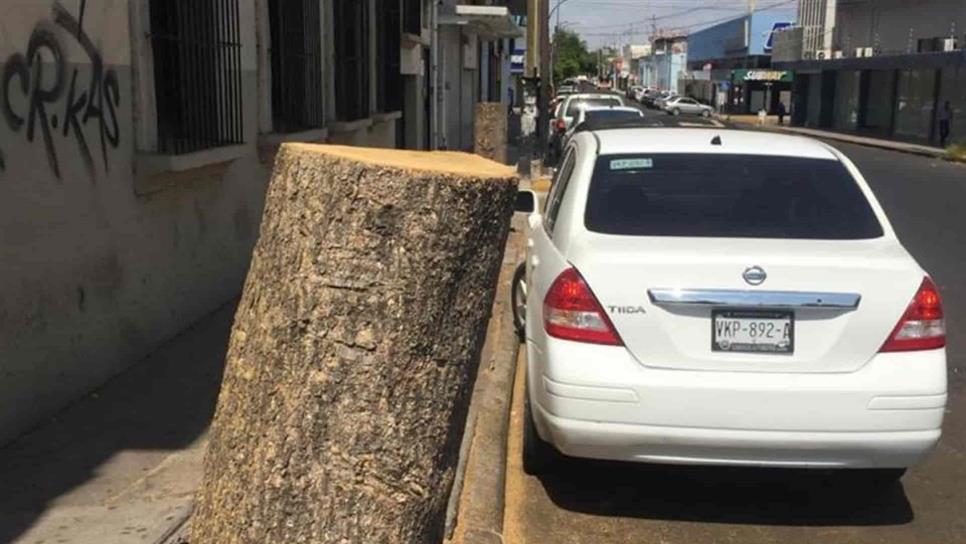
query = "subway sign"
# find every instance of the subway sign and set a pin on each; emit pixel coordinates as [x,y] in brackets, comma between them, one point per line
[763,75]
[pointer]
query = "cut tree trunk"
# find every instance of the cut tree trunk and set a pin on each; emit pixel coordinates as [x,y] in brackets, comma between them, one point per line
[355,347]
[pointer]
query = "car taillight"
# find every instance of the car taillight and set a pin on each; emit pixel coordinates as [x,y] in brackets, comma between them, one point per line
[571,312]
[561,125]
[923,326]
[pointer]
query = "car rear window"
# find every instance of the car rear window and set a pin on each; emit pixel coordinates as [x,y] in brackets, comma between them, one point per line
[575,105]
[730,196]
[602,115]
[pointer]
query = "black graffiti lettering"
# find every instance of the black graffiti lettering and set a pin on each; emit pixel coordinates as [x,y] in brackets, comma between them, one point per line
[71,122]
[99,101]
[16,66]
[112,91]
[43,38]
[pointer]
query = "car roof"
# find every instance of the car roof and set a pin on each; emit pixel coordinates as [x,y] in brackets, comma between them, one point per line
[610,108]
[652,122]
[699,140]
[579,96]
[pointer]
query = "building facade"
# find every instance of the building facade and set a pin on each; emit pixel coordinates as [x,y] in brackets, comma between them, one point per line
[892,66]
[136,142]
[667,59]
[729,64]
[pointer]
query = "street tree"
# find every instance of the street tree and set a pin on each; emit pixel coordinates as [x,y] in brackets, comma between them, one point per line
[571,56]
[355,347]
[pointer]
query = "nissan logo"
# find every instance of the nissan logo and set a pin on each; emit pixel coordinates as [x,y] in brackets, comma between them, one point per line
[755,275]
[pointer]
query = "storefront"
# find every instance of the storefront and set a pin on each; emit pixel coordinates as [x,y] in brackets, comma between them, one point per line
[897,97]
[752,90]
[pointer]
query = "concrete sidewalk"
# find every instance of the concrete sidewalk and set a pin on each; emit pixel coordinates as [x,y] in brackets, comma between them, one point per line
[121,465]
[771,123]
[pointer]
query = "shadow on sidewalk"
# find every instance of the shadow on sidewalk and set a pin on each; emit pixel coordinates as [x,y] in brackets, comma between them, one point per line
[162,404]
[723,495]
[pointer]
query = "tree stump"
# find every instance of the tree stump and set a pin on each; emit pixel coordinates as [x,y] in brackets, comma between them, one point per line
[355,347]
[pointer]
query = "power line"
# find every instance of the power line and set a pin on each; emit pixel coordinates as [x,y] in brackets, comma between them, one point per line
[630,25]
[742,8]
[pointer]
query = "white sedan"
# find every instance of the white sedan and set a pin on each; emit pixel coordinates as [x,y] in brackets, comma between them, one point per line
[717,297]
[599,113]
[680,104]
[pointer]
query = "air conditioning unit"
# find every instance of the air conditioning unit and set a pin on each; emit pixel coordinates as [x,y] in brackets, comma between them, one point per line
[869,52]
[948,44]
[838,55]
[823,54]
[859,52]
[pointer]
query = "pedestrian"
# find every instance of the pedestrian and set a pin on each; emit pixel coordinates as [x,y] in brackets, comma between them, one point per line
[945,123]
[781,113]
[511,99]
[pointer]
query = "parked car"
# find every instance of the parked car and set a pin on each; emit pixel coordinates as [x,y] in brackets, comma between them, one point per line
[719,297]
[632,91]
[649,96]
[601,114]
[566,112]
[662,99]
[690,106]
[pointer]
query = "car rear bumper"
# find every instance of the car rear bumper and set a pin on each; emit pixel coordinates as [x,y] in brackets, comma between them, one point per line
[699,446]
[887,414]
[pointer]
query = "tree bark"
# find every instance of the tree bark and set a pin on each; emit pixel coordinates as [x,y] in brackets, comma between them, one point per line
[355,347]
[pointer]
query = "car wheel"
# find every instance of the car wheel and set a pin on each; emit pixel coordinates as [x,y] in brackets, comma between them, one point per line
[539,457]
[705,113]
[676,112]
[518,300]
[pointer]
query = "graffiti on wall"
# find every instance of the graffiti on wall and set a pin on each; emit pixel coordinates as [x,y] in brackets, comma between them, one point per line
[54,105]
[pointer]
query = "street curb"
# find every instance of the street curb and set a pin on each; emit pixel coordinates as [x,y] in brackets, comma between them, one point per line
[476,505]
[847,139]
[178,532]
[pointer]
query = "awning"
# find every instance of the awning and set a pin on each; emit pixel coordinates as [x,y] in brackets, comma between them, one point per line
[485,21]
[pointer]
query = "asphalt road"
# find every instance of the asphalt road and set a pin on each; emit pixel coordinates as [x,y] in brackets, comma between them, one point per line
[604,503]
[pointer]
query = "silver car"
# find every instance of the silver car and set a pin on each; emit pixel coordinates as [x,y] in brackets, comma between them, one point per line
[679,104]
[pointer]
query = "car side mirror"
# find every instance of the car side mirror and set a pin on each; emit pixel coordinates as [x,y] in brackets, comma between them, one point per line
[526,202]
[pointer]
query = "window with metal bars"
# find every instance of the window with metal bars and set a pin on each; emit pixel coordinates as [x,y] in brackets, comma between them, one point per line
[413,17]
[351,33]
[296,57]
[197,74]
[388,35]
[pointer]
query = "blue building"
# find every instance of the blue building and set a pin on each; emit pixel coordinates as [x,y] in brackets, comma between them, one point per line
[666,63]
[729,64]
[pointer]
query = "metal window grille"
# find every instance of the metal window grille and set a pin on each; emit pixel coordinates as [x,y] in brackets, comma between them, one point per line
[197,74]
[351,25]
[296,56]
[413,17]
[388,35]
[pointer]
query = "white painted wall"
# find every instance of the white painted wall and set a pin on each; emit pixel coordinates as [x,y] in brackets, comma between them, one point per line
[95,271]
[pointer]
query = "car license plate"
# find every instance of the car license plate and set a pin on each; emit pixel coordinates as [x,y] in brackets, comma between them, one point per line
[749,331]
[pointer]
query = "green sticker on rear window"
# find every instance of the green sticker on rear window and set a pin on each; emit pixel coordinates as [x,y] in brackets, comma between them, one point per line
[631,164]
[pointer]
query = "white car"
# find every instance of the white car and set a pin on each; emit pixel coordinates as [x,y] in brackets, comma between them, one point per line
[598,113]
[690,106]
[571,106]
[718,297]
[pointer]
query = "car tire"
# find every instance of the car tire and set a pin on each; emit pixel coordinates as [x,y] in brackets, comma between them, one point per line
[518,301]
[705,113]
[539,457]
[676,112]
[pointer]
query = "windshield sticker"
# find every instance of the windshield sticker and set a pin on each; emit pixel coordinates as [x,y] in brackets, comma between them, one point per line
[631,164]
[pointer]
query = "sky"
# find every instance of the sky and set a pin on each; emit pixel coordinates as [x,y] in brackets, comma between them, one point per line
[609,22]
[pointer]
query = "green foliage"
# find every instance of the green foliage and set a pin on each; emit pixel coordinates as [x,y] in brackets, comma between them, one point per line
[571,57]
